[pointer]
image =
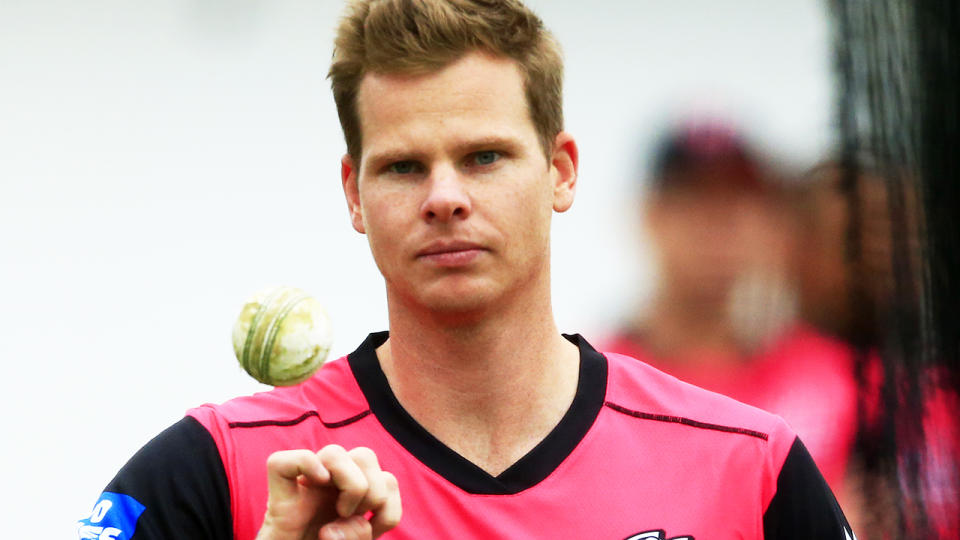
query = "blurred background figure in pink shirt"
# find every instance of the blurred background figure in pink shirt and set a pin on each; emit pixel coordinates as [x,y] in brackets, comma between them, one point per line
[725,313]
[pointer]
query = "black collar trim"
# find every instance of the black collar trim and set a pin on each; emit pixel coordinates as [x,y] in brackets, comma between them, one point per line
[528,470]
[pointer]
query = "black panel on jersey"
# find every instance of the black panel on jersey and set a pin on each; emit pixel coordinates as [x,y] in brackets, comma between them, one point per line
[803,507]
[179,477]
[528,470]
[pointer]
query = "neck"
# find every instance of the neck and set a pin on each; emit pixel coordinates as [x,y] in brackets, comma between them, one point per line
[490,387]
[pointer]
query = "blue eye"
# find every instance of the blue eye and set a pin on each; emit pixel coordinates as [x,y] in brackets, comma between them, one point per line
[403,167]
[486,157]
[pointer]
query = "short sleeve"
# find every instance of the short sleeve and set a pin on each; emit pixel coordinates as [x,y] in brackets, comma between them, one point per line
[803,506]
[174,487]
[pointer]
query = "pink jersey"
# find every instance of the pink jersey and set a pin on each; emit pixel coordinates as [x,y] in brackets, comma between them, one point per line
[639,455]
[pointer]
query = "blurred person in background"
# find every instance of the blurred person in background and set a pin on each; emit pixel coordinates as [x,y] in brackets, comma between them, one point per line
[840,292]
[724,313]
[847,282]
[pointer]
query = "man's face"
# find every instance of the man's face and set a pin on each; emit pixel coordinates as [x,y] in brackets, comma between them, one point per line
[707,236]
[453,189]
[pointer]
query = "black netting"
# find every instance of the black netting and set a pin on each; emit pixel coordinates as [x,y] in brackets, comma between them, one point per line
[898,72]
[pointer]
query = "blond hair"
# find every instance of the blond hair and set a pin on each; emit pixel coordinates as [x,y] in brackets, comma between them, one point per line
[422,36]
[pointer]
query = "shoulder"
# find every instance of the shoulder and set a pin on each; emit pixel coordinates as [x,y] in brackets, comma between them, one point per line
[173,487]
[796,500]
[652,405]
[246,430]
[635,387]
[331,395]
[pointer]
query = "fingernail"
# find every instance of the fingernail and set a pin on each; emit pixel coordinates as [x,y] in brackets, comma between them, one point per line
[336,534]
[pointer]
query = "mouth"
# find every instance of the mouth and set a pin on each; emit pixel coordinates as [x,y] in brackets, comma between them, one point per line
[450,253]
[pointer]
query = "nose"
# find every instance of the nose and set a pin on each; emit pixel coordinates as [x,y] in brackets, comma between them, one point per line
[447,198]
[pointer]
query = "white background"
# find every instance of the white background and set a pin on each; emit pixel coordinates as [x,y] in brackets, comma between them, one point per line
[162,160]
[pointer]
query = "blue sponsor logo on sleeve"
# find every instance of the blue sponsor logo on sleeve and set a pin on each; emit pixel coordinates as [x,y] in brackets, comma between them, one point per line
[114,517]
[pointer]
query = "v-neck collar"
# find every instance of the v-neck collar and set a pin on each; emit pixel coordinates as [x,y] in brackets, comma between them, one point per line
[529,470]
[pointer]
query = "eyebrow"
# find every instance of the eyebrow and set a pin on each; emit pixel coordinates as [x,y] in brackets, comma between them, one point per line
[510,144]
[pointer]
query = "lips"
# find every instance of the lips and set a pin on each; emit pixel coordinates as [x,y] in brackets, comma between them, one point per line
[450,253]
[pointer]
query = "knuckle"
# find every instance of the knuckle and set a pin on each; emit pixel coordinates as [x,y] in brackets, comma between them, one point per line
[363,455]
[393,519]
[361,484]
[331,451]
[390,481]
[377,499]
[356,485]
[274,459]
[280,458]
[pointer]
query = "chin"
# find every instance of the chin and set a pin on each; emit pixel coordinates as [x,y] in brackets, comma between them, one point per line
[455,299]
[460,301]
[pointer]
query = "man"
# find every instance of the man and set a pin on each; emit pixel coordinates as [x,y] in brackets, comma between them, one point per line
[723,316]
[492,423]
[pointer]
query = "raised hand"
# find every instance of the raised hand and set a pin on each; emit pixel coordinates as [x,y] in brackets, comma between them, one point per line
[329,495]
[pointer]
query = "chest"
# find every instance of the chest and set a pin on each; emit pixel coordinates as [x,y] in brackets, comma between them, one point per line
[652,498]
[611,487]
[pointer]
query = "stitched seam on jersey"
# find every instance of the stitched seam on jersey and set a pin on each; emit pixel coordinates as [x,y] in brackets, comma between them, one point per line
[686,421]
[297,420]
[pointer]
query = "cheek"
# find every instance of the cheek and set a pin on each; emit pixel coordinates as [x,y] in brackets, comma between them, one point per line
[524,213]
[383,203]
[382,221]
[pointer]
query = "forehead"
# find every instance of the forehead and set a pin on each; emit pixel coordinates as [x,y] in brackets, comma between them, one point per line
[478,93]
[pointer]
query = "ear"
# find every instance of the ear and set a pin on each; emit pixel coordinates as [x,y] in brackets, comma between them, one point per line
[564,164]
[351,190]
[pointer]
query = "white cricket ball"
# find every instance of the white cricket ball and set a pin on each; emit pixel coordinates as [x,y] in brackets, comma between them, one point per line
[282,336]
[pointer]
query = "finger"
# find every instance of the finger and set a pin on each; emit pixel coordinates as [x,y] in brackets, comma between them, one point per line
[376,481]
[387,515]
[346,476]
[285,467]
[351,528]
